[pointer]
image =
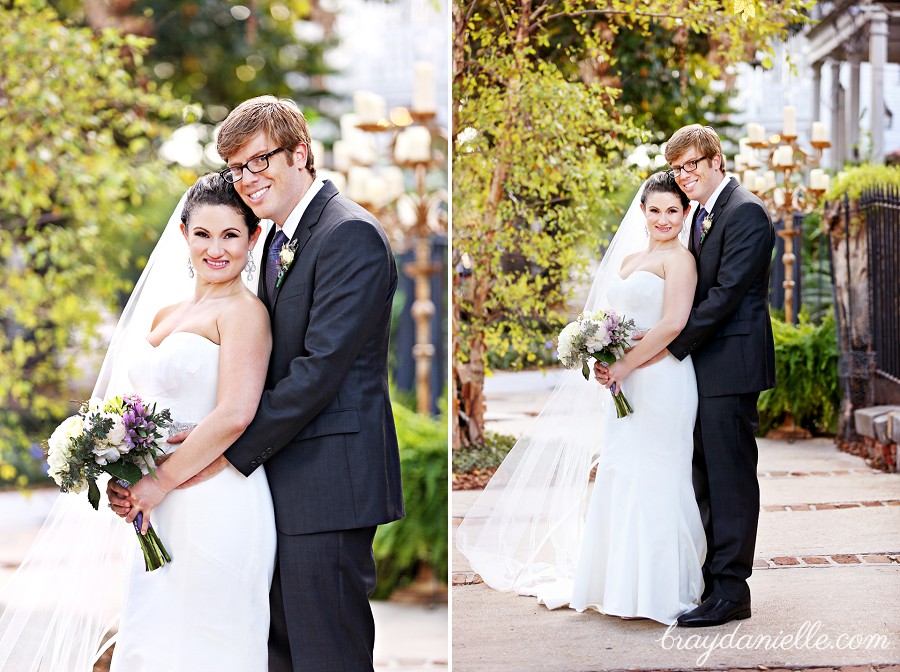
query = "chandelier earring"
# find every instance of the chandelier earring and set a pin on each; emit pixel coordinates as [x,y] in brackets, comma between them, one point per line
[190,268]
[250,267]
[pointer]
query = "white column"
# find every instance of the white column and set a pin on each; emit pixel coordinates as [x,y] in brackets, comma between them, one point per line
[837,133]
[853,111]
[878,49]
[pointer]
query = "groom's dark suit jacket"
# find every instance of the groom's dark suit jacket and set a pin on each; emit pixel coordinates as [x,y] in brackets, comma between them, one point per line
[729,333]
[324,427]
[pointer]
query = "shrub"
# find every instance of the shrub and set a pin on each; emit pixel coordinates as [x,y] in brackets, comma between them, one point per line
[806,366]
[421,537]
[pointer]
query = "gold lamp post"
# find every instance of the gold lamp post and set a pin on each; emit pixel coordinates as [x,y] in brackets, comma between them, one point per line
[415,143]
[786,193]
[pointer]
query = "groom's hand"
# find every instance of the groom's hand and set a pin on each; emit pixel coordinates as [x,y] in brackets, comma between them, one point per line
[216,466]
[118,498]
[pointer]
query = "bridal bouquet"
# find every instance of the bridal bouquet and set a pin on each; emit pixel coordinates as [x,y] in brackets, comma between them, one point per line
[120,436]
[601,335]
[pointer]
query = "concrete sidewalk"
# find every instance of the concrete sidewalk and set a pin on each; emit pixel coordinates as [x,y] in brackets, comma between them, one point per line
[827,572]
[409,638]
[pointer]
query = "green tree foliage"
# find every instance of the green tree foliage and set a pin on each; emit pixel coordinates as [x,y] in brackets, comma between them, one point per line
[539,140]
[78,119]
[220,53]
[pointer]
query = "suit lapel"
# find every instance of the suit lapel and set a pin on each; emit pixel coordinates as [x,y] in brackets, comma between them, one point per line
[304,229]
[716,213]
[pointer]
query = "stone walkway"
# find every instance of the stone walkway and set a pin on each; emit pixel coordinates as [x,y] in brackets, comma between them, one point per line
[826,583]
[408,638]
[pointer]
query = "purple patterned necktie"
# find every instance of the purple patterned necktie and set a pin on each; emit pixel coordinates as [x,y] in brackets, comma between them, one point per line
[272,261]
[698,225]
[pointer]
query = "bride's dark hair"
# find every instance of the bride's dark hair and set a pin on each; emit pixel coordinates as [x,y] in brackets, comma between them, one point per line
[212,189]
[663,182]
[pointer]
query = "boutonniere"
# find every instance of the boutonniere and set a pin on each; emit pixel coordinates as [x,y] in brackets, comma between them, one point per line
[285,259]
[707,225]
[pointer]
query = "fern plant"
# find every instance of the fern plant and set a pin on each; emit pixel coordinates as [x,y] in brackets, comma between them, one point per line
[806,367]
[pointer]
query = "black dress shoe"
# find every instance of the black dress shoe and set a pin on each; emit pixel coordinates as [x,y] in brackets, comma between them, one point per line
[715,611]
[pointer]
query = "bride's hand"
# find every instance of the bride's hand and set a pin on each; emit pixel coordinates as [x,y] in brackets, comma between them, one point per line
[146,494]
[616,373]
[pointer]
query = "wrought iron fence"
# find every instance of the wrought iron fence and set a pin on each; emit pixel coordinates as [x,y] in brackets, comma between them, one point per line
[881,206]
[864,244]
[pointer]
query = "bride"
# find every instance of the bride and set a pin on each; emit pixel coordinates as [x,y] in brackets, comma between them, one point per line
[634,547]
[205,359]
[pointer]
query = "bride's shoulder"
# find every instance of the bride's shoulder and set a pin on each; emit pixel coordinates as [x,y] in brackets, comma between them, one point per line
[244,308]
[163,313]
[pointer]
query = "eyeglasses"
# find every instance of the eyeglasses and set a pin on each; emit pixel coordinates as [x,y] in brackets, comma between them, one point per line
[687,166]
[255,165]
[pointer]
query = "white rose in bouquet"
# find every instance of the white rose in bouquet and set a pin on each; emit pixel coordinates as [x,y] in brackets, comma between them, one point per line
[599,339]
[61,439]
[567,346]
[104,454]
[116,435]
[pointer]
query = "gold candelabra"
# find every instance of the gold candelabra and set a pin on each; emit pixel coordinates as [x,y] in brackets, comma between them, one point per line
[788,195]
[410,219]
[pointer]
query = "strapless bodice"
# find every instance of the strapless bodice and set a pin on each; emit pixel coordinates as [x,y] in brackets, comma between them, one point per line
[181,374]
[638,297]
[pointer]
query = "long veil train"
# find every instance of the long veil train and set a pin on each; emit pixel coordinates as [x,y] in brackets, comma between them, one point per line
[63,601]
[524,531]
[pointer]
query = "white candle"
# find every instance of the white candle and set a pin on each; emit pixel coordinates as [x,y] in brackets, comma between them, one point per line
[815,178]
[761,184]
[357,181]
[770,178]
[341,156]
[413,145]
[749,181]
[318,152]
[784,156]
[756,133]
[779,197]
[826,181]
[394,184]
[790,121]
[423,96]
[369,107]
[819,132]
[739,164]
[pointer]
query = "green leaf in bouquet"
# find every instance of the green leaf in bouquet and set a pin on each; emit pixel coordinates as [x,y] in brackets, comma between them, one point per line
[124,471]
[585,371]
[605,357]
[93,494]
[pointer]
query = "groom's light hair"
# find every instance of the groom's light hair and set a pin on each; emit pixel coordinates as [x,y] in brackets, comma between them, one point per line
[279,118]
[702,138]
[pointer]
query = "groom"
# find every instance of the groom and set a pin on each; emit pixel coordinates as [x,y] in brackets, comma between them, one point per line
[324,427]
[729,338]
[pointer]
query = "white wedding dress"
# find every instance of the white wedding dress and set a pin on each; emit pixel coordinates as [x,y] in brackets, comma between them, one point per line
[632,544]
[209,608]
[643,545]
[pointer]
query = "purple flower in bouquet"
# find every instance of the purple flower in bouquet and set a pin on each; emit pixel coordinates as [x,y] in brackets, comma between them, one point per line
[601,335]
